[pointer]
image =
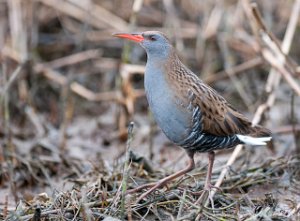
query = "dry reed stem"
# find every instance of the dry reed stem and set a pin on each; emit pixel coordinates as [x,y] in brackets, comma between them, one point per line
[125,178]
[263,107]
[73,58]
[238,69]
[213,23]
[18,34]
[286,45]
[11,80]
[227,56]
[67,109]
[18,27]
[174,23]
[88,12]
[124,84]
[129,93]
[273,53]
[75,86]
[136,7]
[36,122]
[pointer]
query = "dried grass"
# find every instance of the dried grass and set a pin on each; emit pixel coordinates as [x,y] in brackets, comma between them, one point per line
[67,96]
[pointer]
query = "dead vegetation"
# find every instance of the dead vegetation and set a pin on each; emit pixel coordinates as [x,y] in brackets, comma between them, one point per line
[68,92]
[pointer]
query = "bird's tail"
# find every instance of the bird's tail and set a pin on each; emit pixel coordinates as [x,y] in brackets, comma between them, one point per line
[259,131]
[253,140]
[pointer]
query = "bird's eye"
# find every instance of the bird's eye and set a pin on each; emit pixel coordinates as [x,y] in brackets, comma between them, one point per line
[152,38]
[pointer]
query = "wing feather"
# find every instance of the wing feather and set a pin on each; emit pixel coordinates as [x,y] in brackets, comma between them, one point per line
[219,117]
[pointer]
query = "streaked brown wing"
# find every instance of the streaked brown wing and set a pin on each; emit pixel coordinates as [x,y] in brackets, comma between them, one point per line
[218,117]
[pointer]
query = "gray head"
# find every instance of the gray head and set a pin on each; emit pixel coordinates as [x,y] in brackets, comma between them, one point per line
[155,43]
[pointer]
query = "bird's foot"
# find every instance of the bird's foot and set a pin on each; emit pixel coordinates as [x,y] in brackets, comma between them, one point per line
[207,193]
[209,187]
[152,186]
[164,181]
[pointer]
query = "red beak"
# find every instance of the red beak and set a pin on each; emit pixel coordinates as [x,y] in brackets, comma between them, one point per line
[132,37]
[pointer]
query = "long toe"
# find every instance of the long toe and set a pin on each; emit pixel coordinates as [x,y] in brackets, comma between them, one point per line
[140,188]
[206,193]
[153,188]
[210,187]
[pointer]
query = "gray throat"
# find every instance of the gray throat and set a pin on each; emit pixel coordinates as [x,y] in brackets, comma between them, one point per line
[169,115]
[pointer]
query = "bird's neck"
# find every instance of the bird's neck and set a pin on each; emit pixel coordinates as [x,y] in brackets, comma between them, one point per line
[157,71]
[163,63]
[161,74]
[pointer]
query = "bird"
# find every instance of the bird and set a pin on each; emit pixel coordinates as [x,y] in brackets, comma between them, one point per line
[191,114]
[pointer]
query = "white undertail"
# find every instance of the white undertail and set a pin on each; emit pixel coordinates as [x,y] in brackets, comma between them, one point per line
[253,140]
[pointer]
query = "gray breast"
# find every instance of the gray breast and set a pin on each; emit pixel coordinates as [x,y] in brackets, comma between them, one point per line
[171,114]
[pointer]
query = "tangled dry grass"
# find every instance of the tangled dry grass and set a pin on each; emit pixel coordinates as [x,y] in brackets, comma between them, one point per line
[69,91]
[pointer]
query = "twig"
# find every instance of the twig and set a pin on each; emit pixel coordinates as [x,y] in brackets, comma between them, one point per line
[294,211]
[10,81]
[214,21]
[238,69]
[279,66]
[35,120]
[287,129]
[136,7]
[181,205]
[286,44]
[18,28]
[126,71]
[124,85]
[294,122]
[67,113]
[56,211]
[92,96]
[126,168]
[128,92]
[76,87]
[228,64]
[272,52]
[174,23]
[88,12]
[73,59]
[8,149]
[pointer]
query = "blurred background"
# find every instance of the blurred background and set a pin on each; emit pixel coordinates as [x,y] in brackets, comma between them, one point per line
[69,90]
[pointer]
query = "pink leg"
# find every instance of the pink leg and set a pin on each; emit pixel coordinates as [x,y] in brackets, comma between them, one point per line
[141,187]
[211,159]
[164,181]
[208,186]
